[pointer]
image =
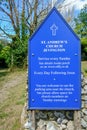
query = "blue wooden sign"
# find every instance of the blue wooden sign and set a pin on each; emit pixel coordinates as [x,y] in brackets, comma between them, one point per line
[54,66]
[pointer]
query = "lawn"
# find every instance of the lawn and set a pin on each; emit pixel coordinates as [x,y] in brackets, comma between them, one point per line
[12,98]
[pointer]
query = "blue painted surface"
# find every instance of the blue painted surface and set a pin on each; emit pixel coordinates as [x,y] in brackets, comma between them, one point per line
[54,73]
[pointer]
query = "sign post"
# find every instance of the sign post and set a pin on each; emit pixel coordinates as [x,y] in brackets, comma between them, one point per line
[54,66]
[77,120]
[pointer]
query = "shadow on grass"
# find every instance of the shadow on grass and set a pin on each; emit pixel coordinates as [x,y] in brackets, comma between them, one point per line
[3,72]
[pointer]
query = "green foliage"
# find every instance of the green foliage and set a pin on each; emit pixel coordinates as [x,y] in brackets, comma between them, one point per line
[81,30]
[5,54]
[81,23]
[15,53]
[19,51]
[84,41]
[85,70]
[1,46]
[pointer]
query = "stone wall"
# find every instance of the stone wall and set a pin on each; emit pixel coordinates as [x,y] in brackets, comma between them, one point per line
[55,120]
[84,105]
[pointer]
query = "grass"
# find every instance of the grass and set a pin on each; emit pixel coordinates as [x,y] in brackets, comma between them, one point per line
[13,84]
[3,115]
[84,67]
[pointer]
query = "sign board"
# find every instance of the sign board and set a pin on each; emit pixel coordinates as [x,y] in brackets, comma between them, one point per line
[54,66]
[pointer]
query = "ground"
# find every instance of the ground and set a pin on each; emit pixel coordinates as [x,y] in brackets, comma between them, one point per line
[84,67]
[12,98]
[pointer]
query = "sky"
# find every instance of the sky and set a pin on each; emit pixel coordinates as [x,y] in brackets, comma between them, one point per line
[79,4]
[69,5]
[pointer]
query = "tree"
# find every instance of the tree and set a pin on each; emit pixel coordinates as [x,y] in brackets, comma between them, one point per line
[81,23]
[4,54]
[23,20]
[81,30]
[36,11]
[23,17]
